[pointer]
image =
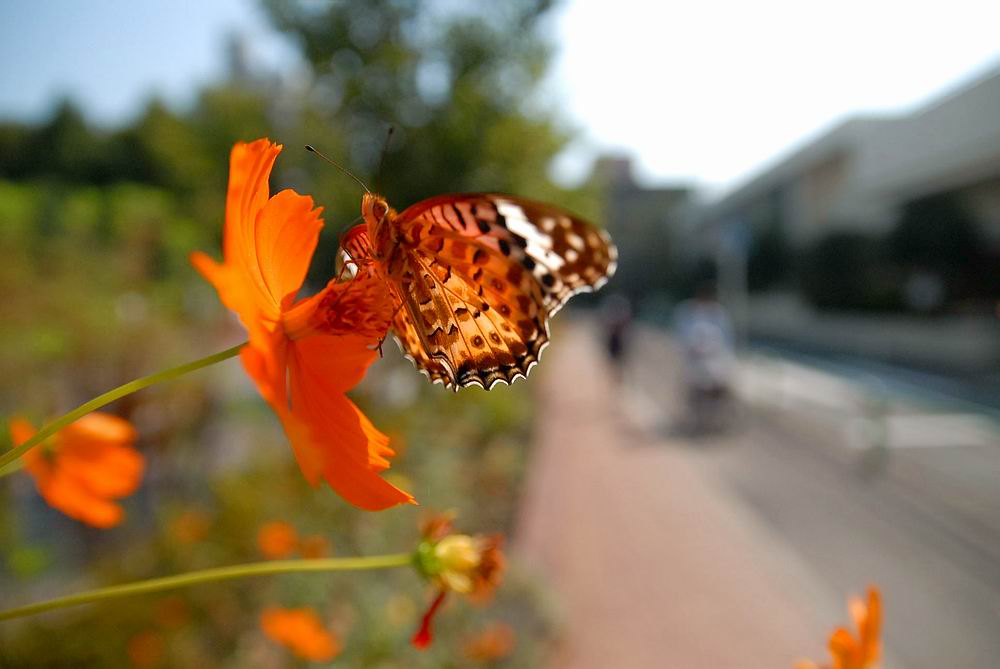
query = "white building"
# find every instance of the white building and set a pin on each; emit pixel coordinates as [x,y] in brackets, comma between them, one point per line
[862,172]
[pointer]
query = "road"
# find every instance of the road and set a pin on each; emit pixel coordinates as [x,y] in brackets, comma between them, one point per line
[919,515]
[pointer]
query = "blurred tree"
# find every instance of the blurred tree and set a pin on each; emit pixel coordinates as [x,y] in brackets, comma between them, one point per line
[936,236]
[845,270]
[459,85]
[63,147]
[769,259]
[163,148]
[13,137]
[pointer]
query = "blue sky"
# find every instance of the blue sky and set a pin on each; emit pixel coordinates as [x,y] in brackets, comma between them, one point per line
[111,55]
[706,91]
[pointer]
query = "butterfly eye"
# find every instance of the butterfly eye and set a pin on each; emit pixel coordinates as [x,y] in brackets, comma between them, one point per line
[379,210]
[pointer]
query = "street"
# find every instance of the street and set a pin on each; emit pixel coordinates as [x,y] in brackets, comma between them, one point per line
[922,522]
[739,550]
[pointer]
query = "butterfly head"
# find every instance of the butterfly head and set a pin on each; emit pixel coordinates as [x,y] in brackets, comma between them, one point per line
[378,215]
[374,208]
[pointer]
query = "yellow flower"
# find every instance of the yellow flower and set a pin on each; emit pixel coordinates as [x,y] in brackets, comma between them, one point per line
[456,562]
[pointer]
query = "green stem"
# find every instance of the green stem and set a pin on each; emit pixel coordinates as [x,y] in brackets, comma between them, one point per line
[6,470]
[210,575]
[108,398]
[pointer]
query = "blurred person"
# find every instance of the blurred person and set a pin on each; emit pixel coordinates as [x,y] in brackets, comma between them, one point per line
[705,337]
[616,312]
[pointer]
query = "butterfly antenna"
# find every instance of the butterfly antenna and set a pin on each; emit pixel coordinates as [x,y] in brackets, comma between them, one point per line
[381,155]
[344,170]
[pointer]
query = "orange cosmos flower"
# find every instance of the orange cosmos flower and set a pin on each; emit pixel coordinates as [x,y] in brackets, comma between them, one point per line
[277,539]
[314,546]
[190,527]
[84,466]
[495,642]
[864,650]
[146,650]
[302,632]
[303,355]
[470,566]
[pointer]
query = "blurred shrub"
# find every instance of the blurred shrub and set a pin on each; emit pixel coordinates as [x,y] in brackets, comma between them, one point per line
[95,229]
[846,270]
[936,236]
[770,260]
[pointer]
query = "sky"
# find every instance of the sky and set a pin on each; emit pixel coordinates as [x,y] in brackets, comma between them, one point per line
[705,92]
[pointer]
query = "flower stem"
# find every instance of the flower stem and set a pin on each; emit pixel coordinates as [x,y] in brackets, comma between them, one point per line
[7,470]
[108,398]
[211,575]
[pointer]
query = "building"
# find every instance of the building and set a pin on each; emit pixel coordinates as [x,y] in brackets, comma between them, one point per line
[865,178]
[645,224]
[861,174]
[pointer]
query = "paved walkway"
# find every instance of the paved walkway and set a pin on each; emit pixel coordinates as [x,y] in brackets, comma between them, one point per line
[654,565]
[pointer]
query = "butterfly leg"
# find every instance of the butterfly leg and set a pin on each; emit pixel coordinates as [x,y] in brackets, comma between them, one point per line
[386,335]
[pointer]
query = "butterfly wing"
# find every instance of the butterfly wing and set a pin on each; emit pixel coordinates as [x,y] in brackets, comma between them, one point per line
[484,273]
[566,254]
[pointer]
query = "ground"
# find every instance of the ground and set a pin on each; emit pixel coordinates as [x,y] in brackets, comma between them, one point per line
[740,550]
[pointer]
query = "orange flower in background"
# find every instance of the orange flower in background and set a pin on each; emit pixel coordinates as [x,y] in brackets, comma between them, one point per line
[303,355]
[172,612]
[495,642]
[467,565]
[277,539]
[190,527]
[146,650]
[864,650]
[85,466]
[302,632]
[314,546]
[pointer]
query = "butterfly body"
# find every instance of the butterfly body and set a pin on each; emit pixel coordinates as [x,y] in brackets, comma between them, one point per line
[475,278]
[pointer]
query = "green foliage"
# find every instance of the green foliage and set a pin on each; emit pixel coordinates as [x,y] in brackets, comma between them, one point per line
[936,234]
[844,270]
[95,230]
[769,261]
[458,87]
[934,237]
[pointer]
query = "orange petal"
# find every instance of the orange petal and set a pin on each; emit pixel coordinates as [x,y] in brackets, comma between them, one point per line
[277,539]
[97,451]
[361,306]
[267,243]
[286,230]
[21,431]
[99,427]
[249,172]
[111,471]
[66,493]
[870,630]
[146,649]
[314,546]
[268,370]
[335,364]
[92,460]
[238,295]
[327,425]
[302,631]
[844,648]
[265,362]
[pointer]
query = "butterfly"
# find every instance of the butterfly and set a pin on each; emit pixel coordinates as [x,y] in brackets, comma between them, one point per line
[476,277]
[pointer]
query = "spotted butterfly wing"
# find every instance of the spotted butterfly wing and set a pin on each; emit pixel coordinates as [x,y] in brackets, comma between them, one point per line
[477,276]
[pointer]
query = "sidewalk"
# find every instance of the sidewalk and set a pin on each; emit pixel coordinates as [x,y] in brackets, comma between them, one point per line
[654,565]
